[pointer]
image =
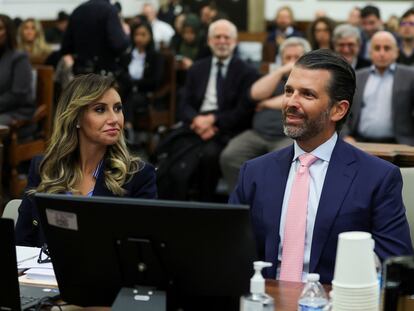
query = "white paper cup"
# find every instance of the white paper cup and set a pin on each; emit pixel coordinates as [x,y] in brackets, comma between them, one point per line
[355,264]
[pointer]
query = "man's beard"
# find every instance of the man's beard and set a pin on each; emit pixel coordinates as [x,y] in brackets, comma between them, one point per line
[309,128]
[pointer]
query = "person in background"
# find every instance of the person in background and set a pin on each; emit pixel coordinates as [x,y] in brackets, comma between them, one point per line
[283,26]
[87,154]
[187,48]
[347,42]
[31,39]
[169,11]
[54,35]
[354,17]
[301,197]
[320,33]
[384,100]
[95,38]
[213,104]
[16,93]
[145,69]
[266,133]
[406,33]
[370,23]
[162,31]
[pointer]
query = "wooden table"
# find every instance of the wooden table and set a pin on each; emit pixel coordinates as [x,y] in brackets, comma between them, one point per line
[400,155]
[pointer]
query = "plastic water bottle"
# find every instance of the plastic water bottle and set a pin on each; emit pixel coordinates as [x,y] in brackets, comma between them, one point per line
[313,297]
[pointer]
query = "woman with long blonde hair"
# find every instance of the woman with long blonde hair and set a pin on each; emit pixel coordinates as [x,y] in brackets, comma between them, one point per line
[87,154]
[31,39]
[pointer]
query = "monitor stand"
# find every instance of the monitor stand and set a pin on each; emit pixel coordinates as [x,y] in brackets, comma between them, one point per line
[140,298]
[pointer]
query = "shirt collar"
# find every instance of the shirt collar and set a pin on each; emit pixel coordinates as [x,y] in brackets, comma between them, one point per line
[136,53]
[390,69]
[97,169]
[224,62]
[322,152]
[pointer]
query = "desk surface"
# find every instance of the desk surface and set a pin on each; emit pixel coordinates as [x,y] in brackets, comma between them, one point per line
[286,295]
[400,155]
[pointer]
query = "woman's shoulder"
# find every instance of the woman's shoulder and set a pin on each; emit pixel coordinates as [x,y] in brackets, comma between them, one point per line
[143,182]
[144,169]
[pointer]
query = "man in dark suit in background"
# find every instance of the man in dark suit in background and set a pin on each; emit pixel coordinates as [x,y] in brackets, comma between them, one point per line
[95,38]
[384,100]
[213,102]
[297,224]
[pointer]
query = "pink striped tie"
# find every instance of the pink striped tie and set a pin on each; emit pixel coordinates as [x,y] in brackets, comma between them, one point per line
[295,224]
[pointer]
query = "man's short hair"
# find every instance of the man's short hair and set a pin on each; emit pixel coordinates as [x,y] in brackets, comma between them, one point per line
[370,10]
[407,13]
[294,41]
[233,28]
[346,31]
[342,83]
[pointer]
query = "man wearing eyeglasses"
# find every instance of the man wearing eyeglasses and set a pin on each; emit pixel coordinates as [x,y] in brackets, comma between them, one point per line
[406,32]
[347,42]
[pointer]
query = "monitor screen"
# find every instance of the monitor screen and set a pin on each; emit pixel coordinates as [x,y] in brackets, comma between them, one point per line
[188,249]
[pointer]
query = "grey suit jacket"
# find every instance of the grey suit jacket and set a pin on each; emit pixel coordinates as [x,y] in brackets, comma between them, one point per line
[16,96]
[402,103]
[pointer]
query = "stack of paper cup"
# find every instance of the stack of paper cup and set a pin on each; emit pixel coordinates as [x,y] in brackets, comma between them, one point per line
[355,282]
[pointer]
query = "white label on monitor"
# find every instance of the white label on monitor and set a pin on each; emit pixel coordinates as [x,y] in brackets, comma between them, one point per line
[62,220]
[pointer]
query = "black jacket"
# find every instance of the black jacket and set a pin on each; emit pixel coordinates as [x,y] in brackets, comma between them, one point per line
[28,230]
[95,37]
[234,112]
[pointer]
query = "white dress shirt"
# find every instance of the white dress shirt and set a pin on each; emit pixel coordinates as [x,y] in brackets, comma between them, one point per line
[375,119]
[210,102]
[162,32]
[317,178]
[137,65]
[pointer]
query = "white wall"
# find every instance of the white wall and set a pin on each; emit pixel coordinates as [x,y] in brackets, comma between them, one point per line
[338,10]
[48,9]
[304,9]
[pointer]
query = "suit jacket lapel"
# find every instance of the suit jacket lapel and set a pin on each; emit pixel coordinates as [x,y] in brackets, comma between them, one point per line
[339,177]
[394,96]
[271,215]
[359,98]
[100,188]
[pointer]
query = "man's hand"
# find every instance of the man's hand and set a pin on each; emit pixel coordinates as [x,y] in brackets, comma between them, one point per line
[202,122]
[209,133]
[287,68]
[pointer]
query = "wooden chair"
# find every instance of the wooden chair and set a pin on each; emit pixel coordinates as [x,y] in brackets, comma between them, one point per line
[167,91]
[161,110]
[24,150]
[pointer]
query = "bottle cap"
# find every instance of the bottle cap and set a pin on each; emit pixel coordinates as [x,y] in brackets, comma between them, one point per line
[313,277]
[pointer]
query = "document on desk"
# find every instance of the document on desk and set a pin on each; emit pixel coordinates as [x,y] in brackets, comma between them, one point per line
[34,272]
[25,253]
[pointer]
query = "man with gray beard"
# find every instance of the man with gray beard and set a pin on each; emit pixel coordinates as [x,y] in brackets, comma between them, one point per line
[301,197]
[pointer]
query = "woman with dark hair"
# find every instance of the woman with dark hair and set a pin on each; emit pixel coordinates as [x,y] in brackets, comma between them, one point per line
[16,95]
[320,33]
[144,74]
[87,154]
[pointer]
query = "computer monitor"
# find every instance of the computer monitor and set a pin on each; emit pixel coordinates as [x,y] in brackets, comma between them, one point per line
[188,249]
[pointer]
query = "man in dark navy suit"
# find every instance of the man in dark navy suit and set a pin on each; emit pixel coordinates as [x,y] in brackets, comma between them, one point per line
[214,101]
[347,189]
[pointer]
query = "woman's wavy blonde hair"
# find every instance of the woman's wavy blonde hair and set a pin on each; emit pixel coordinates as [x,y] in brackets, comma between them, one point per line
[60,169]
[39,48]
